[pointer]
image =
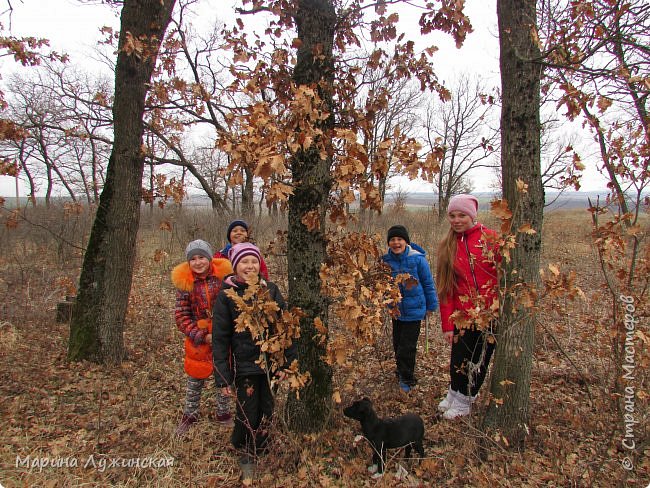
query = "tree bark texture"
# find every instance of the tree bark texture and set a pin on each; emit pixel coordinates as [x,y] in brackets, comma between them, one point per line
[96,329]
[315,20]
[247,195]
[520,160]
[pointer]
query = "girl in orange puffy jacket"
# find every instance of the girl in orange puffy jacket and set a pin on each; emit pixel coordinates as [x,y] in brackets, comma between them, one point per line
[198,281]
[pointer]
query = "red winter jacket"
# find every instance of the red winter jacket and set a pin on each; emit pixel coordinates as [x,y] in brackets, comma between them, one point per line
[193,312]
[474,277]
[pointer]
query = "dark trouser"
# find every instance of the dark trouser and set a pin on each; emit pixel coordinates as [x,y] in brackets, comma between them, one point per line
[254,412]
[467,348]
[405,345]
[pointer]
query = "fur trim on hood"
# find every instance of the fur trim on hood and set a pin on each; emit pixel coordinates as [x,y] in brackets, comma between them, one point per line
[183,278]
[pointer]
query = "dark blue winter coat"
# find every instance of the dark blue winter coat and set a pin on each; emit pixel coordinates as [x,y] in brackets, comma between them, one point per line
[417,299]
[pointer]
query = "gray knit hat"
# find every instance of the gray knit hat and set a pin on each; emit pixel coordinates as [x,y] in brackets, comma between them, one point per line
[199,247]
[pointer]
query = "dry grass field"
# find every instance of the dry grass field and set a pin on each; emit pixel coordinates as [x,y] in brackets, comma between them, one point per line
[80,424]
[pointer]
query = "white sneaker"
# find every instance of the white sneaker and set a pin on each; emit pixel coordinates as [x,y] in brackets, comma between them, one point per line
[461,406]
[446,404]
[401,473]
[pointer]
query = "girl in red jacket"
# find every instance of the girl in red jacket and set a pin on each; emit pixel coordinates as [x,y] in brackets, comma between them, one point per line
[198,281]
[467,282]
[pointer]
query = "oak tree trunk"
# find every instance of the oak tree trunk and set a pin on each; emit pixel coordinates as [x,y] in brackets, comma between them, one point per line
[315,20]
[520,160]
[96,329]
[247,195]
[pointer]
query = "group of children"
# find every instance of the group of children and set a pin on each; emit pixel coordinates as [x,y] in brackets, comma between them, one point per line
[206,314]
[466,273]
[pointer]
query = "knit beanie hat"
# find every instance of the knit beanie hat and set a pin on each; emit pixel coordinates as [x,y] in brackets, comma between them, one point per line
[467,204]
[234,224]
[398,231]
[240,251]
[199,247]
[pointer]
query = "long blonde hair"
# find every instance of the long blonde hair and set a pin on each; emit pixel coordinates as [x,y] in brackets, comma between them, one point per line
[445,272]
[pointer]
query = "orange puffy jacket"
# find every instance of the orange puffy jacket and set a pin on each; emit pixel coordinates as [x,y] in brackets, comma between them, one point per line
[193,312]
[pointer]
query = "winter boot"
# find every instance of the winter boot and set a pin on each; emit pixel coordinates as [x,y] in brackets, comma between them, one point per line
[446,404]
[248,468]
[185,424]
[461,406]
[225,419]
[404,386]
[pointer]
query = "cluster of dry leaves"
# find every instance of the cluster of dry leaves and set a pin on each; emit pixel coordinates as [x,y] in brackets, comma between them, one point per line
[54,411]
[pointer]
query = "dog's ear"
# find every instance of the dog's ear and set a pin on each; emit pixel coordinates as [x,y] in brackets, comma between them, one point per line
[365,405]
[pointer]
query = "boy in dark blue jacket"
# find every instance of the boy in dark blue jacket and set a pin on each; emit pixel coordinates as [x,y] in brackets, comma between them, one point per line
[419,298]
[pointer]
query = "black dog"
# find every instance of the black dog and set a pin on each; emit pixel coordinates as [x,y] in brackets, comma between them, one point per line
[405,431]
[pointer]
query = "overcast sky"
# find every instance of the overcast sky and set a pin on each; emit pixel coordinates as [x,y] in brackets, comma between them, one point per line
[73,27]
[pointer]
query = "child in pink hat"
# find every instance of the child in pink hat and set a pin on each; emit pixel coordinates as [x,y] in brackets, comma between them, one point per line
[466,278]
[238,358]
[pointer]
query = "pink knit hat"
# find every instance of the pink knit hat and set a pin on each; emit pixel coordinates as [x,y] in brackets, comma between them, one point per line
[467,204]
[241,250]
